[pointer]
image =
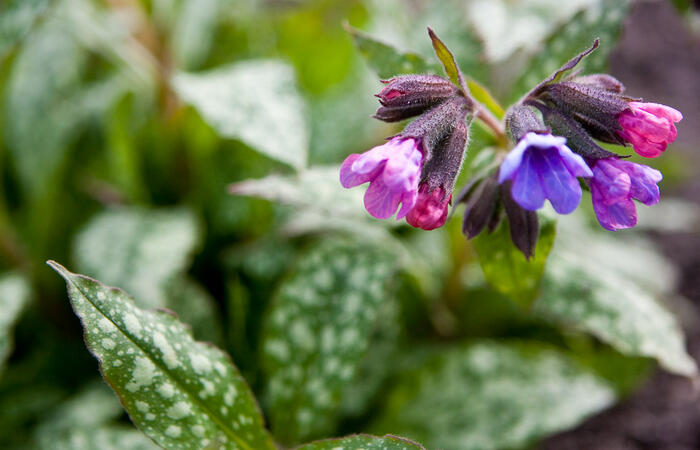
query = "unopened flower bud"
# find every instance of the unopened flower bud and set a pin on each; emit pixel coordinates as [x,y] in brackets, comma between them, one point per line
[601,81]
[481,206]
[521,120]
[524,227]
[410,95]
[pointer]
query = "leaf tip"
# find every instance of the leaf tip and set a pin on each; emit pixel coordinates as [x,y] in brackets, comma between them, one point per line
[58,268]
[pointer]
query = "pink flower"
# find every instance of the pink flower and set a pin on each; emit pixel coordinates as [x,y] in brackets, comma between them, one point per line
[649,127]
[614,184]
[430,211]
[392,171]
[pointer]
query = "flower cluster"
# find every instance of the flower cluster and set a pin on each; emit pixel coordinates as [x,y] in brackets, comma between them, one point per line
[556,131]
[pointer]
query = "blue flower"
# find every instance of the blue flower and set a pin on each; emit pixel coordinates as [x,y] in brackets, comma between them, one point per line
[541,167]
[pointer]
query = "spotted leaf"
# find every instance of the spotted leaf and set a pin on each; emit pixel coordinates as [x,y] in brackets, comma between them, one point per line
[317,334]
[363,442]
[492,395]
[181,393]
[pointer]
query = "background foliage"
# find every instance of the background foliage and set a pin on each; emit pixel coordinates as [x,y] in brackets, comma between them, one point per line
[124,125]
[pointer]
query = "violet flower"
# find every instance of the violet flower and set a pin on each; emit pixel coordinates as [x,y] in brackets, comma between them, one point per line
[543,167]
[392,170]
[649,127]
[614,184]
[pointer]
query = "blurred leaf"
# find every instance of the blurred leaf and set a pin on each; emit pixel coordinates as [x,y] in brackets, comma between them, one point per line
[491,395]
[255,101]
[506,268]
[179,392]
[609,287]
[195,307]
[138,249]
[14,296]
[386,60]
[446,58]
[317,333]
[362,442]
[16,19]
[394,22]
[506,26]
[602,20]
[81,423]
[108,437]
[483,96]
[194,32]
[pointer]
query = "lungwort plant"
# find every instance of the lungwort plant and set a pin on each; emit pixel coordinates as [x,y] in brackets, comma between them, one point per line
[260,299]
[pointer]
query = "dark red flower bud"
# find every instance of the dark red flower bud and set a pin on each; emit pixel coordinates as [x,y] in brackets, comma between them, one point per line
[601,81]
[481,206]
[521,120]
[524,227]
[410,95]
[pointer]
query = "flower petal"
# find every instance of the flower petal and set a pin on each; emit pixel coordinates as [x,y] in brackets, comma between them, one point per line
[350,178]
[527,190]
[615,216]
[559,185]
[380,201]
[574,162]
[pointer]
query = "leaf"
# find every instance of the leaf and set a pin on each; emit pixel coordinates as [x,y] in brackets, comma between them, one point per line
[194,32]
[82,423]
[112,437]
[363,442]
[195,307]
[386,60]
[14,296]
[137,248]
[254,101]
[609,287]
[602,20]
[446,58]
[181,393]
[505,267]
[492,395]
[483,96]
[16,19]
[317,333]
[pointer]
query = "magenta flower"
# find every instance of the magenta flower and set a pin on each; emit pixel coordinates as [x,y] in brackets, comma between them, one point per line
[543,167]
[430,211]
[613,186]
[649,127]
[392,171]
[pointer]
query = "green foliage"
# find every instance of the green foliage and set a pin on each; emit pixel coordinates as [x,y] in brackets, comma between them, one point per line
[359,442]
[179,392]
[386,60]
[254,101]
[317,333]
[505,267]
[601,21]
[482,396]
[16,19]
[14,296]
[610,288]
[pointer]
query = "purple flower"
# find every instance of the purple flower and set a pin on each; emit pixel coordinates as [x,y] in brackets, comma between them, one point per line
[392,171]
[543,167]
[613,186]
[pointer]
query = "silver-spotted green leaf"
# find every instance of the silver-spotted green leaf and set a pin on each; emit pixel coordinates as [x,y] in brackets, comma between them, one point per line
[14,295]
[317,333]
[610,287]
[181,393]
[505,267]
[109,437]
[137,249]
[254,101]
[602,20]
[363,442]
[386,60]
[492,395]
